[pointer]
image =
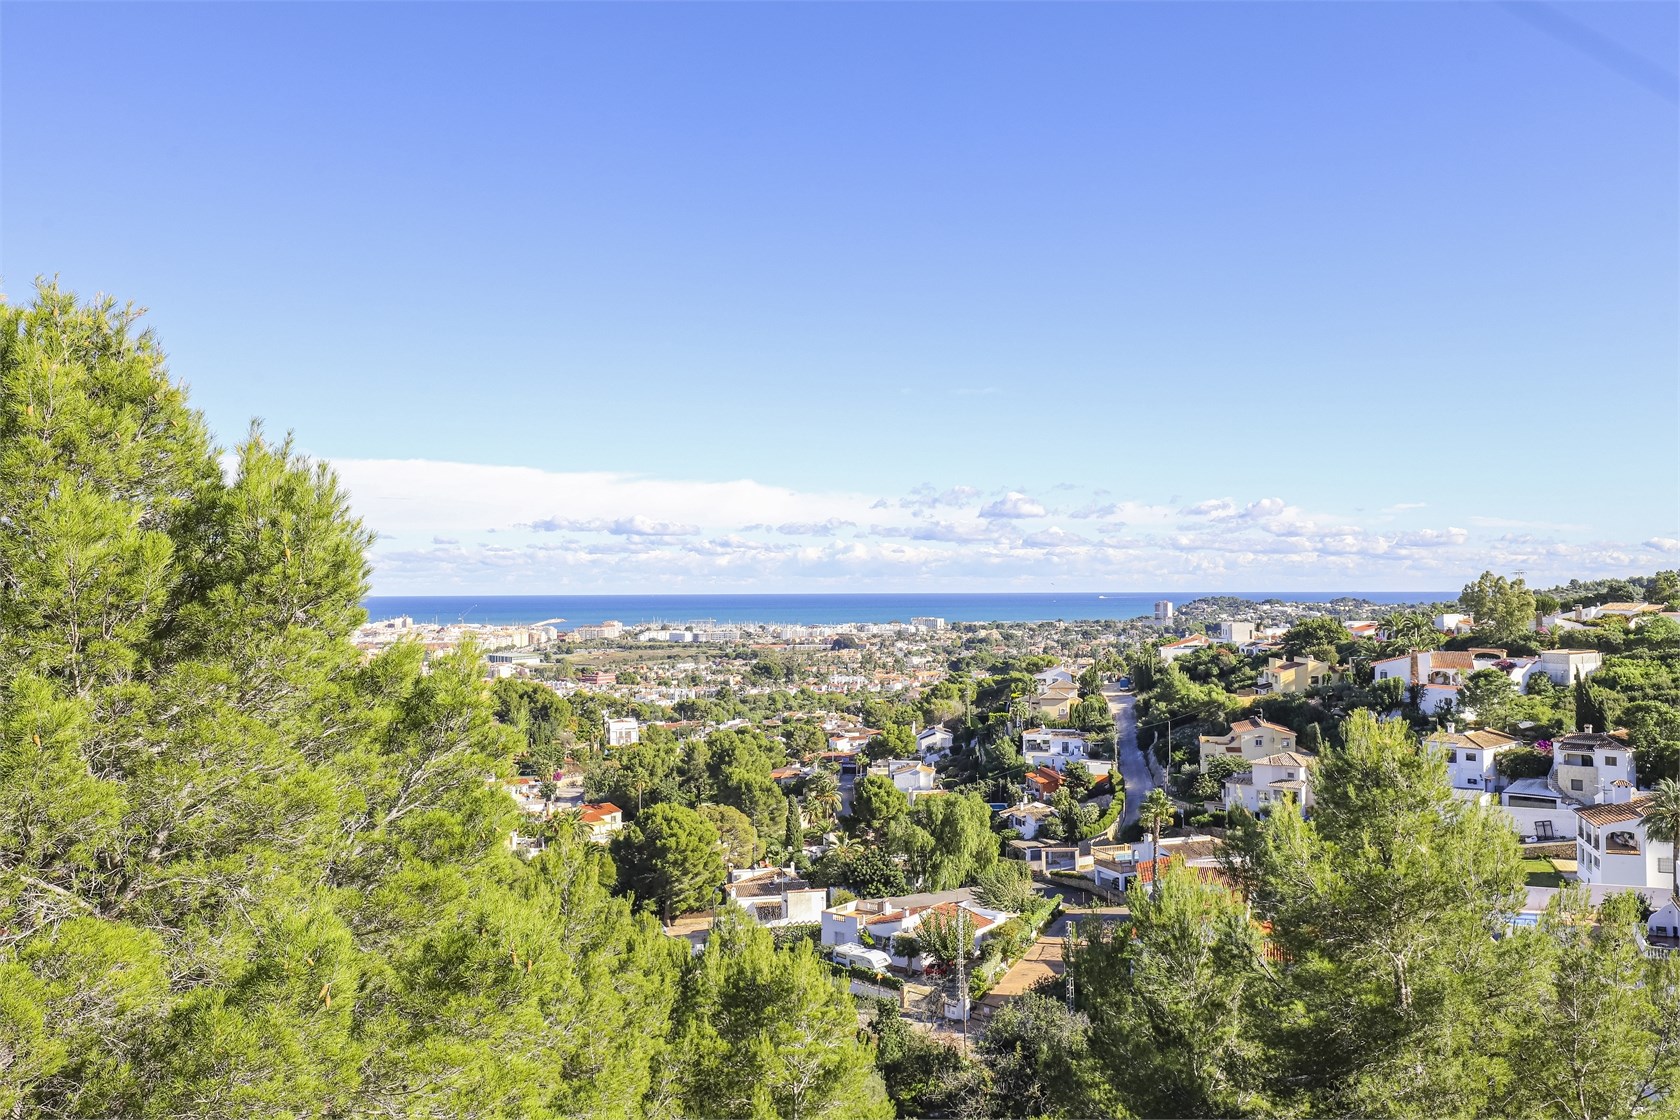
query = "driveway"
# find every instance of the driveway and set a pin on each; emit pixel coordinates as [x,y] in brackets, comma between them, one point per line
[1133,768]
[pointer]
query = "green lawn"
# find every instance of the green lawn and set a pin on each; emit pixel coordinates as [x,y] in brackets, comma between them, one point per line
[1541,873]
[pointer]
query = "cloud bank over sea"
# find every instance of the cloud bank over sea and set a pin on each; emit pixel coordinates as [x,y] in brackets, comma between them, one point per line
[522,530]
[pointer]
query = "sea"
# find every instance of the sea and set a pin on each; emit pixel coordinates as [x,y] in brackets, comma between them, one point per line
[826,609]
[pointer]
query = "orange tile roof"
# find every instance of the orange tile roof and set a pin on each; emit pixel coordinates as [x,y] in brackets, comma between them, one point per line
[1614,814]
[595,814]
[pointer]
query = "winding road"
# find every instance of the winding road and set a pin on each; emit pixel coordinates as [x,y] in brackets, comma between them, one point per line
[1133,768]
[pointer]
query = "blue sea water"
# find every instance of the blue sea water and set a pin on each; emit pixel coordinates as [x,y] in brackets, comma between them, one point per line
[584,610]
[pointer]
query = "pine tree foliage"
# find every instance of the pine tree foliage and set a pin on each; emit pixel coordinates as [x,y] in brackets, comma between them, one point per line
[244,873]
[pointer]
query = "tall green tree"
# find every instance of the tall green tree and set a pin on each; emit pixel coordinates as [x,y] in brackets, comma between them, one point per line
[1600,1034]
[1490,695]
[1592,708]
[876,802]
[1039,1055]
[242,871]
[1662,825]
[1392,988]
[670,859]
[1155,814]
[925,1076]
[741,847]
[1316,637]
[1169,994]
[1504,608]
[946,841]
[765,1034]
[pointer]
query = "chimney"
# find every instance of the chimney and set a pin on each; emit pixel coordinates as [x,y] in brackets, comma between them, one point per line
[1587,730]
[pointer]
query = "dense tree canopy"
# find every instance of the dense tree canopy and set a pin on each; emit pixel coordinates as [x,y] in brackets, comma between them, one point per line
[240,870]
[244,873]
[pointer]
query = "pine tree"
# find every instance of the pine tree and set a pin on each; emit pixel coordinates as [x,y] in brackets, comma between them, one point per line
[765,1034]
[1384,907]
[1169,994]
[241,871]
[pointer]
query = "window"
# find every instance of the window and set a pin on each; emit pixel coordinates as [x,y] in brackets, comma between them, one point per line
[1452,756]
[1665,866]
[1542,830]
[1609,760]
[1575,784]
[1470,756]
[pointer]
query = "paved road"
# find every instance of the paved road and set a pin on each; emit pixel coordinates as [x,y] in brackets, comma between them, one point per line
[1139,781]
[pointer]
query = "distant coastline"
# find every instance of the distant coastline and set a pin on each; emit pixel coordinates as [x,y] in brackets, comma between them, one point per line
[829,609]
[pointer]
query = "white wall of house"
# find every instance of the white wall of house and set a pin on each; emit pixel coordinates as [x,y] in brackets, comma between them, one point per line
[1562,664]
[933,741]
[1598,864]
[1528,820]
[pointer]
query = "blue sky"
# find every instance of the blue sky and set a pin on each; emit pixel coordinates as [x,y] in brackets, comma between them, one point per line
[898,297]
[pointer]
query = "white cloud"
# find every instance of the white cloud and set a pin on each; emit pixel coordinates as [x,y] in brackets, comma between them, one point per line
[1013,505]
[1432,538]
[515,529]
[814,528]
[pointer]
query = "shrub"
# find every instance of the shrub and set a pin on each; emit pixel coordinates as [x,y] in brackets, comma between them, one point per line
[870,976]
[786,937]
[1524,762]
[1006,885]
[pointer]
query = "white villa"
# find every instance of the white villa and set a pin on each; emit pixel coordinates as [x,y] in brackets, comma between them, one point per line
[1272,780]
[1470,757]
[1025,817]
[844,924]
[775,896]
[1249,739]
[1171,651]
[1052,677]
[1611,848]
[623,732]
[910,775]
[934,741]
[1053,747]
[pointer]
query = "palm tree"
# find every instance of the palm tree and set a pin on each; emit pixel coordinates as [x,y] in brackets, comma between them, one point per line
[570,822]
[1156,813]
[824,804]
[1662,824]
